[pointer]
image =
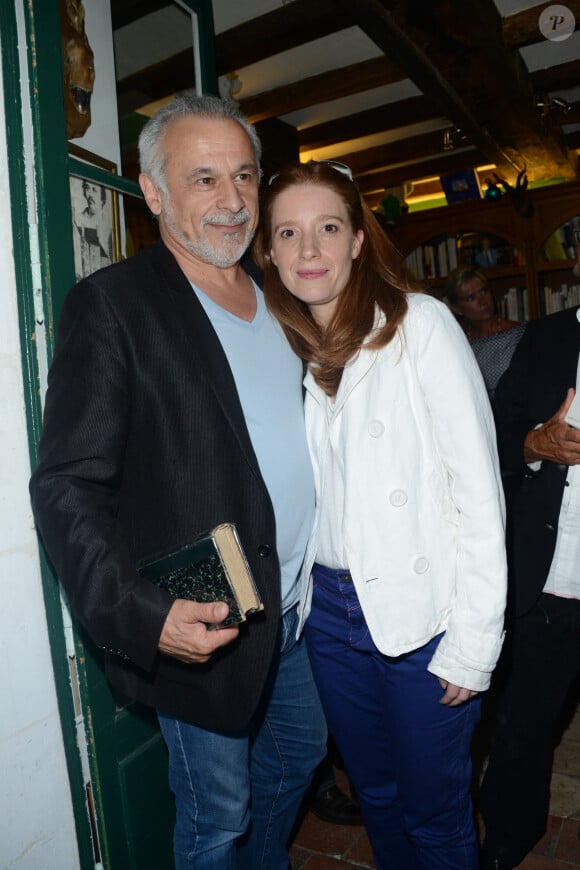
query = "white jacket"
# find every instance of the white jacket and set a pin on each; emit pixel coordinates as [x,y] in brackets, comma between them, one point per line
[423,522]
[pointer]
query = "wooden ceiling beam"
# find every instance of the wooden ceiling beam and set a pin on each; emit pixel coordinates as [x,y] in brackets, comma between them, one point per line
[157,81]
[129,11]
[439,46]
[417,109]
[412,149]
[372,73]
[556,78]
[522,28]
[261,37]
[284,28]
[287,27]
[317,89]
[388,117]
[321,88]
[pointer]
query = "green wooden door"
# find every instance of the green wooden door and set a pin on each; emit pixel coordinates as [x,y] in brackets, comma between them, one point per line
[133,812]
[116,757]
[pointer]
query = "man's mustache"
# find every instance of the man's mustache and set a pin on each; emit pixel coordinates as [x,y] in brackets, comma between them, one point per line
[222,220]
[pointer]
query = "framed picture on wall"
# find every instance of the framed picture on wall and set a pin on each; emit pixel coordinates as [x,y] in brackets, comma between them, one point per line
[95,214]
[460,186]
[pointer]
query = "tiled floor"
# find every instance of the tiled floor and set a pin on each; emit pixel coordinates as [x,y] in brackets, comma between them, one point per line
[322,846]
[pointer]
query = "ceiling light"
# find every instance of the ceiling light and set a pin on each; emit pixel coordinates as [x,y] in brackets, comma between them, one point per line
[449,138]
[548,104]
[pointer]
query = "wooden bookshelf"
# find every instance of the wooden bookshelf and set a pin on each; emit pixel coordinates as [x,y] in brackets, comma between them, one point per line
[526,236]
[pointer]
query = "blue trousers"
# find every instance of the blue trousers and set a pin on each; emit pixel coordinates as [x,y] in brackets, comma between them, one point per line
[407,756]
[237,795]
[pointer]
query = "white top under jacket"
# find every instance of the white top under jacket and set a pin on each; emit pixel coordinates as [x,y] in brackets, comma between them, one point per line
[423,519]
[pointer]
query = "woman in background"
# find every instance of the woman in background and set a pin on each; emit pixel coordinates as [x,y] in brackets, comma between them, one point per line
[493,339]
[404,576]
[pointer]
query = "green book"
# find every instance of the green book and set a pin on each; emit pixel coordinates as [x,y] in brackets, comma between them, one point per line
[212,568]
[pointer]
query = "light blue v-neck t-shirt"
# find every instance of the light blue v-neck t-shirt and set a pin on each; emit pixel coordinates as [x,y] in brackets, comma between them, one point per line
[268,377]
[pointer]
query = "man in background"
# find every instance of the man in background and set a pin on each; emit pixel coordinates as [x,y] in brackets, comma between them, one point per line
[541,658]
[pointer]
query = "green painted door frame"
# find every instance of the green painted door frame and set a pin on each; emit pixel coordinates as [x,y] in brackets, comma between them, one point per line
[44,264]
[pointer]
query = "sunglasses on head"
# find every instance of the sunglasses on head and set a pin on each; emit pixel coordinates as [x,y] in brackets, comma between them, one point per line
[333,164]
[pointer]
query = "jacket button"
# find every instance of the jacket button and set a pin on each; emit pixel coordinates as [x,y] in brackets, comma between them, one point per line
[398,497]
[550,527]
[376,428]
[421,565]
[264,550]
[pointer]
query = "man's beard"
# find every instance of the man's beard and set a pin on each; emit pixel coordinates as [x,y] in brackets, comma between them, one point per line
[232,248]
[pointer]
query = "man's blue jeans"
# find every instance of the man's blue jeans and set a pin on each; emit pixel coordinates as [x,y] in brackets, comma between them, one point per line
[237,795]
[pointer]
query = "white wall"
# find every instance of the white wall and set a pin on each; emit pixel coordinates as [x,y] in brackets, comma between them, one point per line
[36,820]
[102,136]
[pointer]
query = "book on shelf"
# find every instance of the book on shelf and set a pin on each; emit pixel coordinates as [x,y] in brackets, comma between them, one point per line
[442,254]
[414,263]
[428,261]
[559,298]
[514,304]
[434,259]
[213,567]
[451,253]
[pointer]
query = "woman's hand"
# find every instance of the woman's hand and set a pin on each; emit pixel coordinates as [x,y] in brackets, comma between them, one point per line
[455,695]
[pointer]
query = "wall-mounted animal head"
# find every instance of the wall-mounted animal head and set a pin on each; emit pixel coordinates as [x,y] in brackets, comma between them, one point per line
[79,68]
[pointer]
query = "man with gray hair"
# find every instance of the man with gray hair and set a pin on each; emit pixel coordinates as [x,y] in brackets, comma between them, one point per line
[174,404]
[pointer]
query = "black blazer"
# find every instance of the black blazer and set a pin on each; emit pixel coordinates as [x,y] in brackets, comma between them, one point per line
[530,392]
[144,446]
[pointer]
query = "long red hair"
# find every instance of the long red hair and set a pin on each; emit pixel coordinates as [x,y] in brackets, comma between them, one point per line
[376,280]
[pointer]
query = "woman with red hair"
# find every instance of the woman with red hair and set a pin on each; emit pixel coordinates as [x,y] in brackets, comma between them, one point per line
[403,586]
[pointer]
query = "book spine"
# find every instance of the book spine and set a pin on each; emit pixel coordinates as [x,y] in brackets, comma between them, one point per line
[512,303]
[452,253]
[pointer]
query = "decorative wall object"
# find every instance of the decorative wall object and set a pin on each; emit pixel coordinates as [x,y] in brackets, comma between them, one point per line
[79,68]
